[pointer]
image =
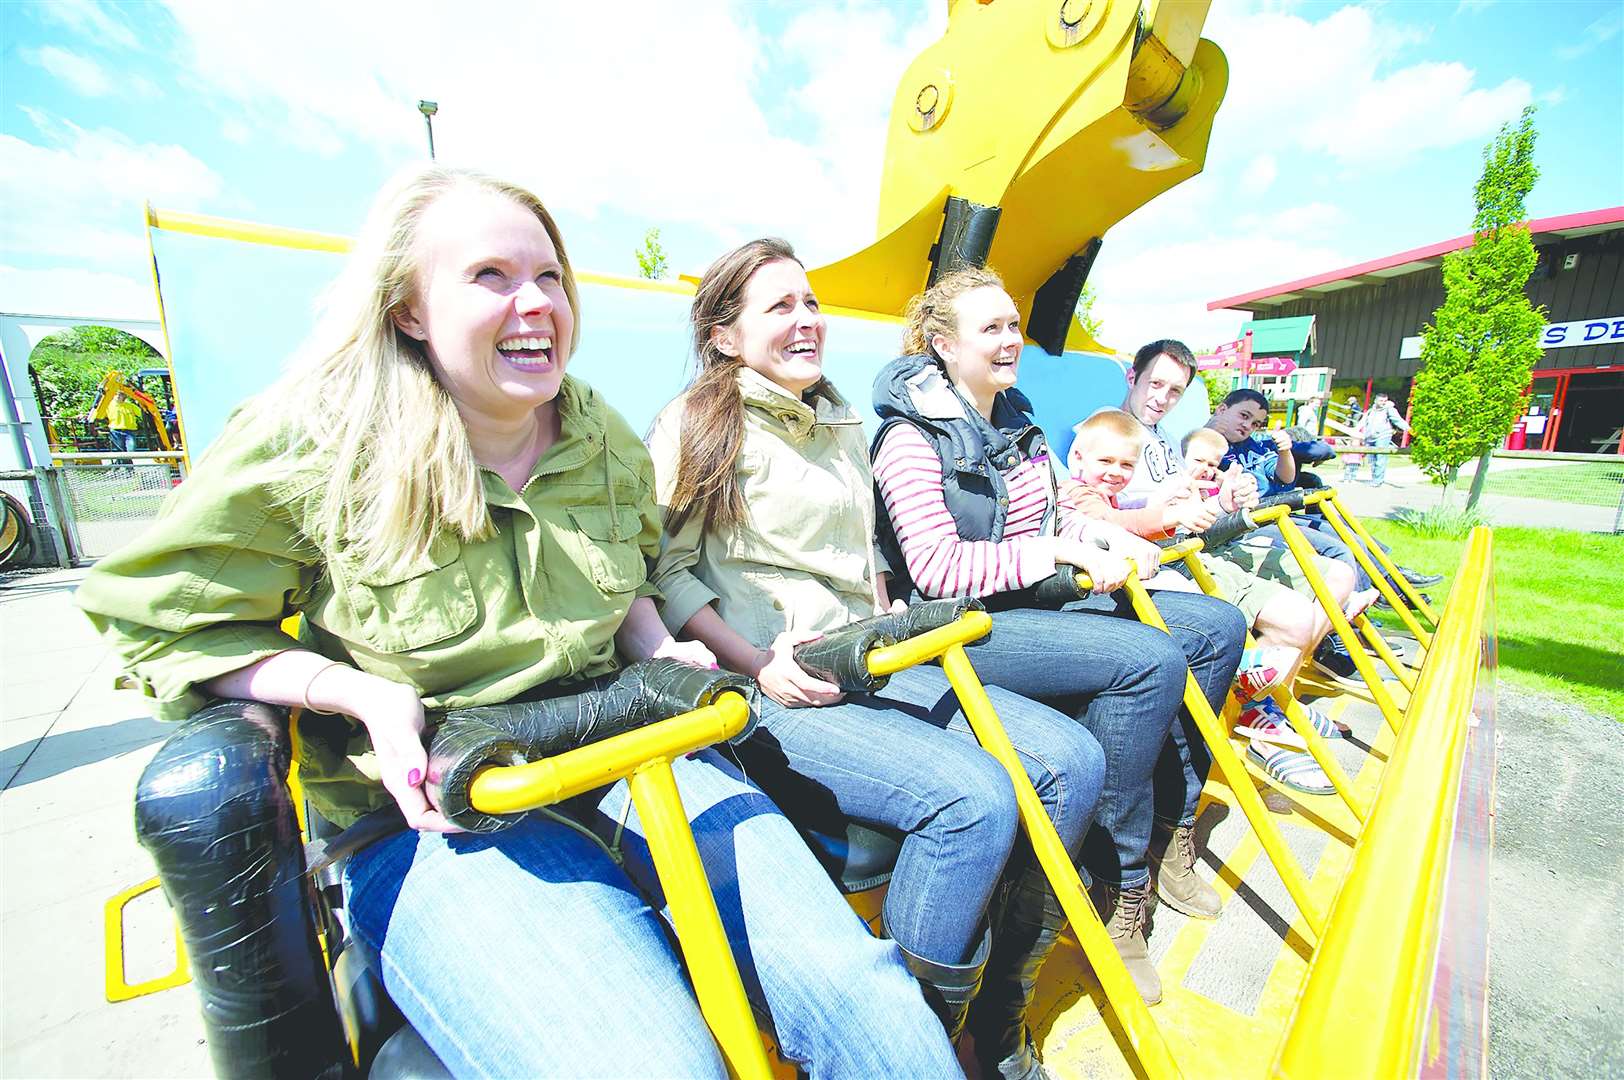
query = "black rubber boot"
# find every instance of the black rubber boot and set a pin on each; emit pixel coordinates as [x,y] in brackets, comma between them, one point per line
[1026,934]
[949,988]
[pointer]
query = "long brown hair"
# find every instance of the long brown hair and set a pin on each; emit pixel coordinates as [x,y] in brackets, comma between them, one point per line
[713,411]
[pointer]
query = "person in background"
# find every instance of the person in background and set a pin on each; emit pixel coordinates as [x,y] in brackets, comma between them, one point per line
[1377,430]
[1311,413]
[123,424]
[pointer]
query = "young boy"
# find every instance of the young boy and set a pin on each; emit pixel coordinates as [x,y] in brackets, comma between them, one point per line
[1204,451]
[1104,456]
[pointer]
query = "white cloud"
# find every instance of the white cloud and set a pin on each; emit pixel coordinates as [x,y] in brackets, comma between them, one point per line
[1602,30]
[90,20]
[83,74]
[654,112]
[1342,94]
[65,291]
[1259,174]
[1473,6]
[1163,290]
[77,195]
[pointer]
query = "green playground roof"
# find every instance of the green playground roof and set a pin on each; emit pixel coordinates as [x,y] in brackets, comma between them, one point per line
[1276,337]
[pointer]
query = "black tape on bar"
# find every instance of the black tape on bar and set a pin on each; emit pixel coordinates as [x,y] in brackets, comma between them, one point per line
[467,740]
[214,811]
[462,745]
[841,656]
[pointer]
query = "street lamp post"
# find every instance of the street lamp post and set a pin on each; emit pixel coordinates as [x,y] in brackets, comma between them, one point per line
[428,109]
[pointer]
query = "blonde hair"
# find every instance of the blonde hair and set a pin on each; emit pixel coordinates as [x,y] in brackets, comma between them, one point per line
[361,394]
[1112,422]
[935,311]
[1206,435]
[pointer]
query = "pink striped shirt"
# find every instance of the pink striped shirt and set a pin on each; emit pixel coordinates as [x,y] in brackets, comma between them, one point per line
[941,563]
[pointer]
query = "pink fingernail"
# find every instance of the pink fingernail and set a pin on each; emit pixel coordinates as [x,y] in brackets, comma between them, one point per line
[414,778]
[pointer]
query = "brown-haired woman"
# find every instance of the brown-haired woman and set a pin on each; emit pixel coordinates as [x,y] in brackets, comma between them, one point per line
[762,470]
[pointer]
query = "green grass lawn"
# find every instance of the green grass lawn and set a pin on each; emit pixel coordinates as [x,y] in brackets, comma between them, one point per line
[1598,483]
[1559,607]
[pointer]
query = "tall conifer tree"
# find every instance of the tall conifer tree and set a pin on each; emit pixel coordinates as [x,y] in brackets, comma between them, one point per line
[1483,342]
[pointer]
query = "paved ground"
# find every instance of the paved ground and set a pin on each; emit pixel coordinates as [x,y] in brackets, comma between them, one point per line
[71,749]
[1408,488]
[1556,939]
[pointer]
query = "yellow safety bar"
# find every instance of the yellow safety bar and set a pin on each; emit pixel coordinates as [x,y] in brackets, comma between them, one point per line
[1224,757]
[1362,660]
[1323,498]
[1335,501]
[1288,704]
[1234,772]
[1150,1050]
[1372,971]
[643,758]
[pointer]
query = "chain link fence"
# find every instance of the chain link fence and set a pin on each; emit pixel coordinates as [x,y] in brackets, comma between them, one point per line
[109,504]
[1523,487]
[87,505]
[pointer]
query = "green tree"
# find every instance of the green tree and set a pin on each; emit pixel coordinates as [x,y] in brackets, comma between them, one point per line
[1483,341]
[1085,312]
[651,261]
[69,366]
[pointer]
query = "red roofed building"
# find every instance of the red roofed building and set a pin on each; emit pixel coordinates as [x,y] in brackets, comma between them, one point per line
[1368,319]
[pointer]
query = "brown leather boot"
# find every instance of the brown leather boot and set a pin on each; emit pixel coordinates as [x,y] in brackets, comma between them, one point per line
[1123,911]
[1172,864]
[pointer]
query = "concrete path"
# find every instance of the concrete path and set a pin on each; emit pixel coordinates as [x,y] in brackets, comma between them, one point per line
[1407,487]
[71,750]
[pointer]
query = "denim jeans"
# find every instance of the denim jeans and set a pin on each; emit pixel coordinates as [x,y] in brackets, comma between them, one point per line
[1122,681]
[529,952]
[906,758]
[1378,462]
[1210,633]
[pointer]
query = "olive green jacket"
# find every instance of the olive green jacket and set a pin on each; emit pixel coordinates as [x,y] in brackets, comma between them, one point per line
[803,558]
[203,591]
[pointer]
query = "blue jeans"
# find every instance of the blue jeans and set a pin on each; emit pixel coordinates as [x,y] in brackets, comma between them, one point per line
[906,758]
[1210,633]
[529,952]
[1122,681]
[1378,462]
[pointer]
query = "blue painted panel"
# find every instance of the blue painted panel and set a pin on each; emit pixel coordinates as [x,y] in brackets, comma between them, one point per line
[237,311]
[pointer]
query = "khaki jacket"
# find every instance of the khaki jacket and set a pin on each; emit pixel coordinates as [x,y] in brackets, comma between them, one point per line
[203,591]
[803,558]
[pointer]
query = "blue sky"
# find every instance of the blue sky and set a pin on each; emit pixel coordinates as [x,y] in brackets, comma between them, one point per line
[1349,132]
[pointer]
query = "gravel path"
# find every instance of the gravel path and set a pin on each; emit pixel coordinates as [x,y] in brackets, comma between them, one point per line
[1556,919]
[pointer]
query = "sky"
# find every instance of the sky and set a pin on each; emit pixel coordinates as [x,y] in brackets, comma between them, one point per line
[1349,132]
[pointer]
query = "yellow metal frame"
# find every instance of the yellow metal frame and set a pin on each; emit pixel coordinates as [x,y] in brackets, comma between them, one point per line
[1374,967]
[1283,697]
[1150,1049]
[643,758]
[1376,552]
[1362,660]
[1235,774]
[117,988]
